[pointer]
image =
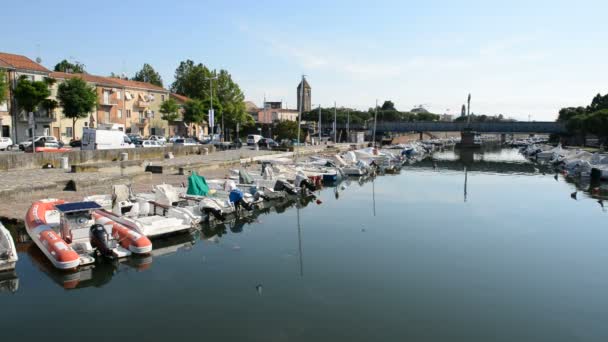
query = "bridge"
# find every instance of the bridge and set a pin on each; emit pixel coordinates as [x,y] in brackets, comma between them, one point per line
[542,127]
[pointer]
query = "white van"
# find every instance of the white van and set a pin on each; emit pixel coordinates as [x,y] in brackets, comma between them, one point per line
[103,139]
[253,139]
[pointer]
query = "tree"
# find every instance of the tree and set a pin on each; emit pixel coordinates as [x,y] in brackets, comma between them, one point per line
[598,103]
[194,112]
[77,99]
[72,68]
[566,114]
[30,94]
[49,105]
[232,102]
[3,86]
[388,105]
[286,130]
[149,75]
[169,110]
[192,80]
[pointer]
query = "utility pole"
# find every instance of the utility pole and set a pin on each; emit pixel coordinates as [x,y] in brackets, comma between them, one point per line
[335,124]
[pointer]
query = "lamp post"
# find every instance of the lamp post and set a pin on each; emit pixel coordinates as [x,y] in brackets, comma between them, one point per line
[211,114]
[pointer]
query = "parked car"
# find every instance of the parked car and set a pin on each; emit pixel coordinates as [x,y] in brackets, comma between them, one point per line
[268,143]
[253,139]
[136,139]
[161,140]
[185,142]
[76,143]
[46,147]
[150,143]
[5,144]
[41,138]
[174,138]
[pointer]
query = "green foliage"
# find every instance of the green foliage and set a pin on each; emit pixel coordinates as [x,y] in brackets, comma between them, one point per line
[483,118]
[592,119]
[169,110]
[3,86]
[286,130]
[30,94]
[194,112]
[598,103]
[149,75]
[72,68]
[77,99]
[360,117]
[193,81]
[566,114]
[49,105]
[388,105]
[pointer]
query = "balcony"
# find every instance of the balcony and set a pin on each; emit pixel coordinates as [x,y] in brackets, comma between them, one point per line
[142,104]
[39,117]
[109,102]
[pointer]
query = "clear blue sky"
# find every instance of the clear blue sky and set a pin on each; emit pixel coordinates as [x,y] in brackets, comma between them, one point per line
[516,57]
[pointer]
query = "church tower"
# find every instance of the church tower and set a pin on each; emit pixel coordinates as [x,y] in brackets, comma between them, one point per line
[307,104]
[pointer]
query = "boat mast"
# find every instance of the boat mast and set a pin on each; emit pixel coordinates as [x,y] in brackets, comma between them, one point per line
[375,121]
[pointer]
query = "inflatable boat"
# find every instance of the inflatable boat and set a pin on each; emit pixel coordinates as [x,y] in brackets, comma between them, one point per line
[71,234]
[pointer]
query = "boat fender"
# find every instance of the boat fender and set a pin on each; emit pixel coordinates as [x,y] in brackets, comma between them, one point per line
[319,201]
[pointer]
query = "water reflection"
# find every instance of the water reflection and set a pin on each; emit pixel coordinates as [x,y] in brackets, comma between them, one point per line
[9,282]
[96,275]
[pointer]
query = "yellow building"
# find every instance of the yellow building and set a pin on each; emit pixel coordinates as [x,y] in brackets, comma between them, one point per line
[142,103]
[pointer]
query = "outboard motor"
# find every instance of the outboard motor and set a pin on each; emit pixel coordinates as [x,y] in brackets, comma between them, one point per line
[101,240]
[282,185]
[236,196]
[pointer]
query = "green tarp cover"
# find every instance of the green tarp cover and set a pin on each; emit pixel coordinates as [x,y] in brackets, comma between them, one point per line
[197,185]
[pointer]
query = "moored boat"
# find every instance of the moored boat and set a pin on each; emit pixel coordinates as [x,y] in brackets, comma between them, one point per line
[8,252]
[70,235]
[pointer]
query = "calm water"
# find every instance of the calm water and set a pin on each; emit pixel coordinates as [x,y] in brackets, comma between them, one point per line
[405,258]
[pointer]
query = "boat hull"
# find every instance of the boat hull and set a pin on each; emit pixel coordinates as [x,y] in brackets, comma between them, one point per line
[57,251]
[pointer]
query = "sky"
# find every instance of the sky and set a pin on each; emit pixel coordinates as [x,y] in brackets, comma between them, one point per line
[523,59]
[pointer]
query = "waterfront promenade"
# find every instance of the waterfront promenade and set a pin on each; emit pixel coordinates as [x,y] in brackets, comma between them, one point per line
[19,188]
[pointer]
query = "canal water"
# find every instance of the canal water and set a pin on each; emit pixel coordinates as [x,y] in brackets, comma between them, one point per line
[501,252]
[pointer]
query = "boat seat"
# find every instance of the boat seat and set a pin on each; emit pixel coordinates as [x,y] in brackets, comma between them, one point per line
[164,207]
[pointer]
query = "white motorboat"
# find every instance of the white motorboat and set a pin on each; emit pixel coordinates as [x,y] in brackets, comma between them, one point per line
[151,216]
[8,252]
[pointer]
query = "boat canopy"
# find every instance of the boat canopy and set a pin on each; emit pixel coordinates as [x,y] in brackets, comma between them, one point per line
[77,206]
[197,185]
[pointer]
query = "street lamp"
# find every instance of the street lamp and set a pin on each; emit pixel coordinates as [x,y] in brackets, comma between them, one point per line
[211,114]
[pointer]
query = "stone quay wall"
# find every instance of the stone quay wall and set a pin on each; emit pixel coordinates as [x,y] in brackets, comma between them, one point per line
[13,161]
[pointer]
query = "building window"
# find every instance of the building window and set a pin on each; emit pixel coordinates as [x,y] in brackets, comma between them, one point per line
[106,116]
[119,113]
[106,97]
[162,98]
[118,95]
[128,113]
[68,132]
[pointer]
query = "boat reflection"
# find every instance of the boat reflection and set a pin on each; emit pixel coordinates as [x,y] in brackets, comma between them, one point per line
[9,282]
[174,244]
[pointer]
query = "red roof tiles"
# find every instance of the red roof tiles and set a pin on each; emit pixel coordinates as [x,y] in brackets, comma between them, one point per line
[9,60]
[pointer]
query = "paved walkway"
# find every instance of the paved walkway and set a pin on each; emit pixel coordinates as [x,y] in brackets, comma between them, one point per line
[18,188]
